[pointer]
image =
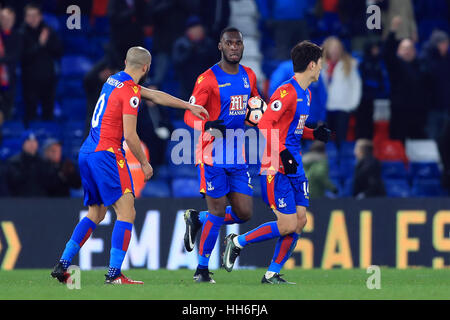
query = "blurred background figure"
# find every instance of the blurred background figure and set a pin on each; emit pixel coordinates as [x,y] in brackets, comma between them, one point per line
[128,19]
[61,175]
[409,107]
[404,10]
[343,83]
[286,19]
[193,53]
[436,60]
[367,178]
[25,171]
[375,85]
[10,45]
[41,48]
[315,162]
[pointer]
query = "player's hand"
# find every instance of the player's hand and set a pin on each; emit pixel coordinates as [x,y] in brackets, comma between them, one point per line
[199,111]
[322,133]
[43,37]
[289,163]
[147,170]
[215,125]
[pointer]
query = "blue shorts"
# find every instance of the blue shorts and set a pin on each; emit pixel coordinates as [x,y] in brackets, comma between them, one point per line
[285,193]
[105,177]
[217,182]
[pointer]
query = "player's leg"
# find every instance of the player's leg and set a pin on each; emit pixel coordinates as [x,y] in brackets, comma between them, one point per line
[208,239]
[87,225]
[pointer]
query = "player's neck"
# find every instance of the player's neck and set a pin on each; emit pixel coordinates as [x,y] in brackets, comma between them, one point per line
[133,74]
[228,67]
[303,80]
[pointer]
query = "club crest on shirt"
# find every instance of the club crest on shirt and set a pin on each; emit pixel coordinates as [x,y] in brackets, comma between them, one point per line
[301,124]
[246,85]
[135,89]
[281,203]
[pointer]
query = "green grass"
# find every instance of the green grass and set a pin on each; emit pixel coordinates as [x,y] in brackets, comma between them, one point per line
[421,283]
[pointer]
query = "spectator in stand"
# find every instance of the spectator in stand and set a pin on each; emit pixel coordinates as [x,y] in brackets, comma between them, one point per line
[436,59]
[10,45]
[343,83]
[41,47]
[169,20]
[375,85]
[60,175]
[317,110]
[315,163]
[367,181]
[215,16]
[328,14]
[409,106]
[25,172]
[193,53]
[405,10]
[287,20]
[127,21]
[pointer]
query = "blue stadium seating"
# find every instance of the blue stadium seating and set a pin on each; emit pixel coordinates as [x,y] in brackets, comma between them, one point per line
[74,108]
[331,150]
[75,65]
[424,170]
[398,188]
[158,188]
[333,169]
[393,170]
[183,170]
[347,188]
[346,150]
[77,193]
[426,188]
[52,21]
[46,129]
[12,129]
[347,167]
[10,147]
[185,188]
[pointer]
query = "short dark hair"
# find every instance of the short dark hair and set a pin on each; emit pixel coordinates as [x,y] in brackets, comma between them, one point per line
[32,5]
[303,53]
[229,29]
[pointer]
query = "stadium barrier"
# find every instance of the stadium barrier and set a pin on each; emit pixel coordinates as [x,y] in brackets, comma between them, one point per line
[343,233]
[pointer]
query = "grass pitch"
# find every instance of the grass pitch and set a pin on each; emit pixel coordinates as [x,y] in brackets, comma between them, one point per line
[420,283]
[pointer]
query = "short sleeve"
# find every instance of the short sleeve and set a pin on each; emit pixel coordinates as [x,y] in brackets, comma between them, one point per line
[278,105]
[131,98]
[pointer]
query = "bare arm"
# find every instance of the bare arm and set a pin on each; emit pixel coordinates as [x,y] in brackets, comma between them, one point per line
[165,99]
[133,142]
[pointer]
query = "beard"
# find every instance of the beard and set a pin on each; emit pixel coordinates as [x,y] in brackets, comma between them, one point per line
[143,79]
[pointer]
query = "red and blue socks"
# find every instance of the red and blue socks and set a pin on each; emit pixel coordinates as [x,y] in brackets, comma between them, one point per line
[230,216]
[120,240]
[80,234]
[283,250]
[264,232]
[210,232]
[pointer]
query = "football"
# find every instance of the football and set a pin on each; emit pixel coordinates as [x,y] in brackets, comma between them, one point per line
[255,109]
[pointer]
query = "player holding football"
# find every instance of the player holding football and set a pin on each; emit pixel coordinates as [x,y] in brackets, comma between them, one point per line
[224,91]
[284,186]
[104,170]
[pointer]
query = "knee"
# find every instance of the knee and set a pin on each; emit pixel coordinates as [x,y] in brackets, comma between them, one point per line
[245,214]
[287,227]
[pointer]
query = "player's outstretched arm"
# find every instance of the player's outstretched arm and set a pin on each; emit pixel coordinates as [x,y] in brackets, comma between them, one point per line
[165,99]
[133,142]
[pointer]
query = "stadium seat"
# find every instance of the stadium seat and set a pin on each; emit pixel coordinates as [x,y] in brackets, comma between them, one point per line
[331,149]
[12,129]
[425,170]
[158,188]
[183,171]
[347,188]
[74,108]
[426,188]
[393,170]
[422,150]
[52,21]
[75,65]
[334,171]
[46,129]
[397,188]
[10,147]
[347,150]
[389,150]
[77,193]
[185,188]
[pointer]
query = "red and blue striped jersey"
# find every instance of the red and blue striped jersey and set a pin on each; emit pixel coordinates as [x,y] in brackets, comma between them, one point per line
[285,118]
[119,96]
[225,97]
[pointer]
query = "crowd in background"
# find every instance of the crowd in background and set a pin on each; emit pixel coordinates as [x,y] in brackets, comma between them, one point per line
[406,62]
